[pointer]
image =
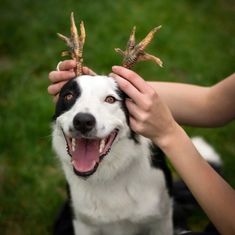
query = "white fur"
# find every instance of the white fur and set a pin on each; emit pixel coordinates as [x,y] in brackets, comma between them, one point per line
[206,150]
[125,196]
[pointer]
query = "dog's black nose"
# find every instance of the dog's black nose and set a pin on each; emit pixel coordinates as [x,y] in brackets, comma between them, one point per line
[84,122]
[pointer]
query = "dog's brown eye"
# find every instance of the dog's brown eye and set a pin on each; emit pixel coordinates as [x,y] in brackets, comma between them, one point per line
[68,97]
[110,99]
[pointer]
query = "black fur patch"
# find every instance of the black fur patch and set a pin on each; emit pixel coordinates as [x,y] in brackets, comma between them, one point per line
[123,97]
[159,161]
[63,224]
[62,104]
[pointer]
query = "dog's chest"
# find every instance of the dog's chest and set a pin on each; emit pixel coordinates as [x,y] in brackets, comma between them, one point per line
[122,201]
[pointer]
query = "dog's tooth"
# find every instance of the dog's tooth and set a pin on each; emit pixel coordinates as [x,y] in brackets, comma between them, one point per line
[73,144]
[102,144]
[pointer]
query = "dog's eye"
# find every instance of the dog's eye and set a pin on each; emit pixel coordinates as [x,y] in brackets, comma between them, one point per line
[110,99]
[68,97]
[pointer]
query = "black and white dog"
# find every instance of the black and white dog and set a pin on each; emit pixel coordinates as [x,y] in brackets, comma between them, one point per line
[119,184]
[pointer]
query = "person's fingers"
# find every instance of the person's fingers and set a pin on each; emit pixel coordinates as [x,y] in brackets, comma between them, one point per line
[55,88]
[55,98]
[132,77]
[58,76]
[133,109]
[66,65]
[128,89]
[88,71]
[134,124]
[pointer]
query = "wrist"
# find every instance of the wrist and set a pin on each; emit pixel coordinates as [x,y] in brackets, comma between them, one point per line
[172,136]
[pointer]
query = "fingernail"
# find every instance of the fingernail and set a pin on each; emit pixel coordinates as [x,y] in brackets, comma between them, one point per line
[113,75]
[115,67]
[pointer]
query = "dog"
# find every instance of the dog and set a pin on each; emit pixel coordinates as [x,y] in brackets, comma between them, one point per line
[118,180]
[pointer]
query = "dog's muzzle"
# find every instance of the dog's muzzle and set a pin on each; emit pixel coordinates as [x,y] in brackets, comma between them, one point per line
[85,148]
[84,123]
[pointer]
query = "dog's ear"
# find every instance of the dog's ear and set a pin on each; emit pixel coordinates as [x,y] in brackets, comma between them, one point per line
[123,97]
[122,94]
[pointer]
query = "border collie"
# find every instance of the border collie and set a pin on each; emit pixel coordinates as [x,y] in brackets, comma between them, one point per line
[118,182]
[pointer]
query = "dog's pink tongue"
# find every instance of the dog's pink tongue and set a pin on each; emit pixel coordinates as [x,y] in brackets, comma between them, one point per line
[86,155]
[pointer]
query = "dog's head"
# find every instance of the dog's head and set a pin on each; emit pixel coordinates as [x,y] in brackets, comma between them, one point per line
[92,116]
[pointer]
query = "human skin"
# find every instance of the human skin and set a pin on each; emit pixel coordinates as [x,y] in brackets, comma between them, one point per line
[155,110]
[150,116]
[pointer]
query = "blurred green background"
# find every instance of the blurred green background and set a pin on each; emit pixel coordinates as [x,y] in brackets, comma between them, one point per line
[196,44]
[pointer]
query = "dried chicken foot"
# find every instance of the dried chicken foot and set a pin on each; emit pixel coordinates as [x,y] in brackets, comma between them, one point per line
[135,53]
[75,44]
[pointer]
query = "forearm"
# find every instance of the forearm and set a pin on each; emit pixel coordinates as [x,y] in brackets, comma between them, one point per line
[214,195]
[199,106]
[188,103]
[151,117]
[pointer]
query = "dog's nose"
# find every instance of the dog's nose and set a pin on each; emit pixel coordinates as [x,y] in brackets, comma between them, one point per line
[84,122]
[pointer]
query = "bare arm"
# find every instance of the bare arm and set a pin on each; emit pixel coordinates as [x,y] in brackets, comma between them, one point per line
[199,106]
[215,196]
[150,117]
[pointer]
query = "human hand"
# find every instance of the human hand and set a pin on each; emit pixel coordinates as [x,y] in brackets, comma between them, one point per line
[149,116]
[64,72]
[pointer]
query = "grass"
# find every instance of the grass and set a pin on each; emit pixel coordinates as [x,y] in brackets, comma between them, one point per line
[196,43]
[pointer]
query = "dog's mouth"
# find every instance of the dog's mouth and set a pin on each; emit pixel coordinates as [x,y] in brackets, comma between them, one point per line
[86,154]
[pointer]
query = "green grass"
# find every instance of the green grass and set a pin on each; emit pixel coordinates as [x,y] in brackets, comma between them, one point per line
[196,43]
